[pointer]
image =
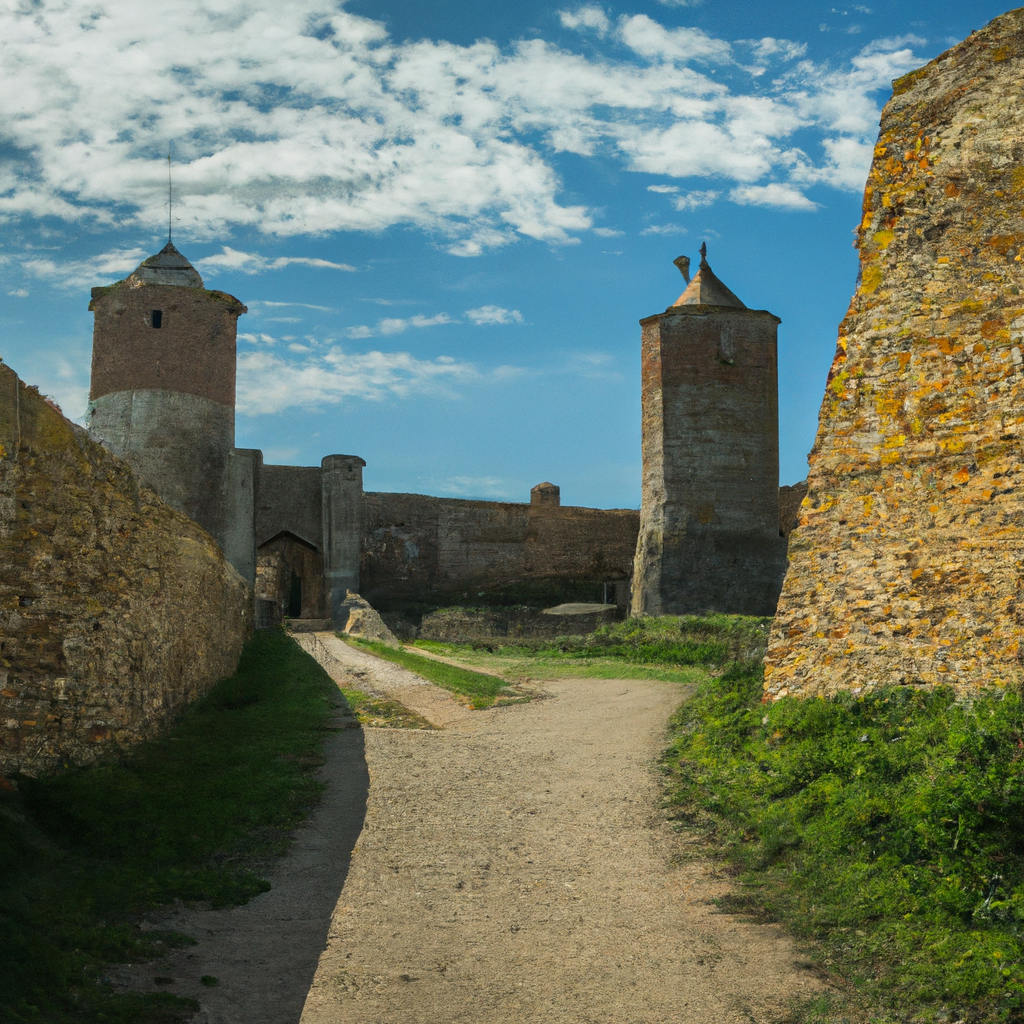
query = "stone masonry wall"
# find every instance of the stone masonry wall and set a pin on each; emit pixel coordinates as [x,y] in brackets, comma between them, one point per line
[908,564]
[422,548]
[115,610]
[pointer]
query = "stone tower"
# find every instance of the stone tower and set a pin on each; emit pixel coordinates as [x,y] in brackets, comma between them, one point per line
[162,395]
[709,516]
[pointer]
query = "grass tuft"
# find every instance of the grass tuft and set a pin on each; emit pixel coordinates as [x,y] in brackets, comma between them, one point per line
[191,816]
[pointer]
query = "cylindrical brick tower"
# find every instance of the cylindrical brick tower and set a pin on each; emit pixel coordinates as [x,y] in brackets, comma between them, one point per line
[163,388]
[709,515]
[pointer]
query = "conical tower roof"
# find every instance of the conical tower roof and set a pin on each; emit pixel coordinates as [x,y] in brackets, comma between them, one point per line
[704,289]
[168,266]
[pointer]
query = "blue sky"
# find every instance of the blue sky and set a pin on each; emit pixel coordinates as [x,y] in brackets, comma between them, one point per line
[446,219]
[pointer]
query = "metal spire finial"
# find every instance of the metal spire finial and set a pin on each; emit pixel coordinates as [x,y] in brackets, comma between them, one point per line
[170,198]
[703,252]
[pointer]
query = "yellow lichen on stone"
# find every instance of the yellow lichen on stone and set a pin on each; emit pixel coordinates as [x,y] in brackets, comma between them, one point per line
[908,562]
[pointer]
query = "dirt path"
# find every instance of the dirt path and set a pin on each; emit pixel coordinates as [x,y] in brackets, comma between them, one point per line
[514,867]
[509,866]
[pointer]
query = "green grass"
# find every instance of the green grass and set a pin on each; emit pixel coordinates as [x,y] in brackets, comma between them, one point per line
[888,829]
[670,648]
[481,689]
[377,712]
[192,816]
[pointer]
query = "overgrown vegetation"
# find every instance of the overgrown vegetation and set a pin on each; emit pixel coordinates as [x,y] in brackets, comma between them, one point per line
[192,816]
[889,828]
[481,689]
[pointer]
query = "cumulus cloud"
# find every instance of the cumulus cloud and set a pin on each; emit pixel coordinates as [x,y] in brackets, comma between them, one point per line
[586,17]
[781,196]
[302,118]
[665,189]
[253,263]
[75,275]
[398,325]
[696,199]
[494,315]
[268,383]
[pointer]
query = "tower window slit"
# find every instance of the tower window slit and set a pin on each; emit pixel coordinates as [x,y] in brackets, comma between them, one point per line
[158,318]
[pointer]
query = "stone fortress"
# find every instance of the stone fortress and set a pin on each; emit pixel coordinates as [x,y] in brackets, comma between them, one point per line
[128,568]
[121,546]
[162,397]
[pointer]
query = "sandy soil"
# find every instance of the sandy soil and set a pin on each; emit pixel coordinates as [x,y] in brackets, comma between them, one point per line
[511,865]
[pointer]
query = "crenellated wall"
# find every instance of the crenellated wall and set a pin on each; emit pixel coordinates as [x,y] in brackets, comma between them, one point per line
[115,609]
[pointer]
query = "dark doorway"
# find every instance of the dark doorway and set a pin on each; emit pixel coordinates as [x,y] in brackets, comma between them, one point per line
[158,318]
[295,598]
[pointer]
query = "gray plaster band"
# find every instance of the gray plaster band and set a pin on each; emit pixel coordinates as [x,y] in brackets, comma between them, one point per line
[182,446]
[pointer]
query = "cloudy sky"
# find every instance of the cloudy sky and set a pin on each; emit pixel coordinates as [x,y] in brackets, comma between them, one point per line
[447,218]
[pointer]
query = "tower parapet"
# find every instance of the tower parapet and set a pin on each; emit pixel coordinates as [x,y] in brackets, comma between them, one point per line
[709,516]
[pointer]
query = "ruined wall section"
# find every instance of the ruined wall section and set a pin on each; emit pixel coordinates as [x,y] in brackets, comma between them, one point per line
[115,610]
[437,549]
[908,564]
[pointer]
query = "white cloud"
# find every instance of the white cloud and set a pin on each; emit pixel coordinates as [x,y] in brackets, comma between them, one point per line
[304,119]
[398,325]
[664,229]
[695,200]
[20,293]
[608,232]
[586,17]
[649,38]
[253,263]
[777,195]
[786,49]
[667,189]
[477,486]
[79,274]
[268,383]
[494,315]
[303,305]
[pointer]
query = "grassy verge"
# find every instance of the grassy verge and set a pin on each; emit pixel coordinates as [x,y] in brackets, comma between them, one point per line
[481,689]
[674,649]
[376,712]
[889,829]
[192,816]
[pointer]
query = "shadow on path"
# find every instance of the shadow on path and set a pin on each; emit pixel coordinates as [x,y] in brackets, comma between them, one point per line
[264,954]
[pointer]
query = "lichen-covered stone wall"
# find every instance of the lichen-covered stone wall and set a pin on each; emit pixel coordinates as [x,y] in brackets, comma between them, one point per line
[115,610]
[908,563]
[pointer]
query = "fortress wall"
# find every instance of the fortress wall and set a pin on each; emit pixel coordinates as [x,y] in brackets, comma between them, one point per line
[289,500]
[907,567]
[421,548]
[115,610]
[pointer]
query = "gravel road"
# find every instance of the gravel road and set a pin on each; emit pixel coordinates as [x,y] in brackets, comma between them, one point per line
[511,865]
[514,866]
